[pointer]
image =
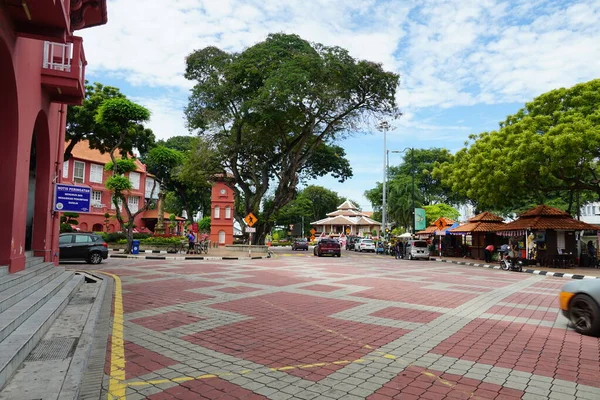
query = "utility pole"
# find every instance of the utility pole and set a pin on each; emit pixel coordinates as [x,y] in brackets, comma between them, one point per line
[412,155]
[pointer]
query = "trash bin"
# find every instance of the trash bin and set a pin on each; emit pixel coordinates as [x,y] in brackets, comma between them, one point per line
[135,247]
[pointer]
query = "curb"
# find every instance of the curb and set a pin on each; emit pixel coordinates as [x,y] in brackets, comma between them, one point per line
[181,258]
[528,271]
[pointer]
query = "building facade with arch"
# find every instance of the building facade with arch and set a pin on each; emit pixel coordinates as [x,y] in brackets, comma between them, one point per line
[42,70]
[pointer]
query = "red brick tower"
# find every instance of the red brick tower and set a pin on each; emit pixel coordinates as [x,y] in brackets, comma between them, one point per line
[222,208]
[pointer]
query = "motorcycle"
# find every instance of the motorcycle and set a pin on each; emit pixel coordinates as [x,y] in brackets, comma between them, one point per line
[509,264]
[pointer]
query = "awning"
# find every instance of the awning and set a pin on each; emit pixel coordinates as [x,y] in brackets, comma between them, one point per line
[512,233]
[444,231]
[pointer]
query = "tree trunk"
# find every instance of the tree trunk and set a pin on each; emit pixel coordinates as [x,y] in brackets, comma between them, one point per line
[262,228]
[159,229]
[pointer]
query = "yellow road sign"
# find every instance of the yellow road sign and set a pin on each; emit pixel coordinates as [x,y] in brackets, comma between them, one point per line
[347,231]
[440,224]
[250,219]
[312,231]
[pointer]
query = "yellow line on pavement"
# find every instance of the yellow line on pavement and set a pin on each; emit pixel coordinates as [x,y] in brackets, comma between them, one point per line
[245,371]
[116,386]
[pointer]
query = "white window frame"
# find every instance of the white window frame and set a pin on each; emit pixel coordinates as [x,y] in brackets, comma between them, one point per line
[148,192]
[75,169]
[217,212]
[222,236]
[65,173]
[228,212]
[96,198]
[134,178]
[112,203]
[134,203]
[96,173]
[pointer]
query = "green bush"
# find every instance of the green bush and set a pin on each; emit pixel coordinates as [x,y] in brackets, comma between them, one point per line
[116,237]
[157,241]
[281,243]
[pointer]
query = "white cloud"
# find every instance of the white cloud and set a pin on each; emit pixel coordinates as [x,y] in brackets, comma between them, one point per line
[448,52]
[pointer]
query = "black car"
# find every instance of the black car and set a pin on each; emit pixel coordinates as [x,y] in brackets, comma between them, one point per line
[89,247]
[300,244]
[351,241]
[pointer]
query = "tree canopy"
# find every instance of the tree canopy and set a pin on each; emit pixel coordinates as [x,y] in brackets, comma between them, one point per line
[417,165]
[272,108]
[548,149]
[83,125]
[122,119]
[185,166]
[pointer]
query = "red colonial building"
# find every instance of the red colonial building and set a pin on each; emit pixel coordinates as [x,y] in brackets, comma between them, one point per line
[86,167]
[42,70]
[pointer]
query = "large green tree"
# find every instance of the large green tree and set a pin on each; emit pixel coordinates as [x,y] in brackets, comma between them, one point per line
[185,173]
[272,107]
[122,118]
[548,149]
[415,169]
[82,124]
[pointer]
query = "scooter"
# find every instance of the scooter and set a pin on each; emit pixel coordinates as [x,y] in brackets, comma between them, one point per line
[509,264]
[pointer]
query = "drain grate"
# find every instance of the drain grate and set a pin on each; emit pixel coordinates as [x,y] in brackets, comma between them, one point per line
[53,349]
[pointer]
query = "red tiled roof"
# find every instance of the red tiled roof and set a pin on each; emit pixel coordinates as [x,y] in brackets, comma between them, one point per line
[545,217]
[486,216]
[544,210]
[153,214]
[82,151]
[478,227]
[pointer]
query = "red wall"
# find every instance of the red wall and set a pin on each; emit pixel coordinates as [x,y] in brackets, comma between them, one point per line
[26,108]
[222,196]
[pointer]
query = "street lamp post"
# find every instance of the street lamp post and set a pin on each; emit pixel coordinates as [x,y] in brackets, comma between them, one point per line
[384,128]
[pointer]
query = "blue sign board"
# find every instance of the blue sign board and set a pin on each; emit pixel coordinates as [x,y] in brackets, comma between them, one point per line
[72,198]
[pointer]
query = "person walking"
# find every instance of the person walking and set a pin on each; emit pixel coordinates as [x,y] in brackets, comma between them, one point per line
[488,253]
[591,250]
[191,242]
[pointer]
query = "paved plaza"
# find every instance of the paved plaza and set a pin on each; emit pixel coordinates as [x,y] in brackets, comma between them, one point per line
[355,327]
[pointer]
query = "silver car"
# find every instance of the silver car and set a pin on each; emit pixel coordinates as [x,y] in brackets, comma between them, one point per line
[579,301]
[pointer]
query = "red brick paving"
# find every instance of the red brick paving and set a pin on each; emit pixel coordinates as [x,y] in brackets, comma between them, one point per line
[409,292]
[140,361]
[533,299]
[557,353]
[153,276]
[147,295]
[321,288]
[198,269]
[523,313]
[292,329]
[238,289]
[273,278]
[419,383]
[407,314]
[166,321]
[213,388]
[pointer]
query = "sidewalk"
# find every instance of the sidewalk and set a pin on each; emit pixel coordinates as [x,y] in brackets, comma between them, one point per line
[572,273]
[217,253]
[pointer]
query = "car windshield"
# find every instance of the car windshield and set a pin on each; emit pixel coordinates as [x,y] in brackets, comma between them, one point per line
[367,241]
[420,244]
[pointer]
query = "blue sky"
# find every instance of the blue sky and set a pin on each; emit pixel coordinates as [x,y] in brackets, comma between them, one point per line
[464,64]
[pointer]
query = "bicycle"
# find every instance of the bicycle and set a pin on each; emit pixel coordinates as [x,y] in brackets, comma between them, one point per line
[178,247]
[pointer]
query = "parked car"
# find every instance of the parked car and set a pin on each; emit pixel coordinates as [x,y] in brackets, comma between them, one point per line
[351,242]
[327,246]
[365,245]
[89,247]
[579,301]
[300,244]
[416,249]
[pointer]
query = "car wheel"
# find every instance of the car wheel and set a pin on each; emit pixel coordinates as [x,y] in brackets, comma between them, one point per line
[95,258]
[584,314]
[319,254]
[360,250]
[339,255]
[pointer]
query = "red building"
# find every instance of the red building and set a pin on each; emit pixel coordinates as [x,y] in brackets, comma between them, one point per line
[42,69]
[86,167]
[222,207]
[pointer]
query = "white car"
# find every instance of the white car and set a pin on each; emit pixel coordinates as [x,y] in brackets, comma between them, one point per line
[365,245]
